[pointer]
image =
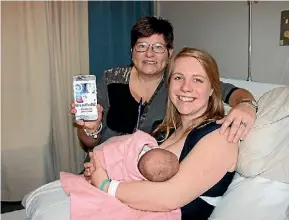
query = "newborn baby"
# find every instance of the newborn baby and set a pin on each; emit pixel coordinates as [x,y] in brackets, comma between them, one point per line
[133,157]
[157,165]
[129,157]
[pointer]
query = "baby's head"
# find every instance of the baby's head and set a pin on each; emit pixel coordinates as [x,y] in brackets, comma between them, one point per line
[158,165]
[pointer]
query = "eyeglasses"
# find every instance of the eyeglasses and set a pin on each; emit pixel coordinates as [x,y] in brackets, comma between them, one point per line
[143,47]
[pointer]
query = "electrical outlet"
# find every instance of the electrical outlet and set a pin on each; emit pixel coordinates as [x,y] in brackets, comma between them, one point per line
[284,28]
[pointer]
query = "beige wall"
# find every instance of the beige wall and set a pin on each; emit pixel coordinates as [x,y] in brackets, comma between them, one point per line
[221,28]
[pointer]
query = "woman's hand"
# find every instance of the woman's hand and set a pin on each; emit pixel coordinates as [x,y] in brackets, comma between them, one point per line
[99,174]
[89,167]
[88,170]
[90,126]
[240,121]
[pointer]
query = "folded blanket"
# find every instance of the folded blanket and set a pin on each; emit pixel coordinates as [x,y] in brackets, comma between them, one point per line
[119,157]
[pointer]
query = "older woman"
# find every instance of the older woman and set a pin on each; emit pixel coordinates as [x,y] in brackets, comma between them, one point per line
[189,130]
[135,97]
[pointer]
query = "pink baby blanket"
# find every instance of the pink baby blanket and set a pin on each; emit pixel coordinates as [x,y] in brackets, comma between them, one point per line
[118,156]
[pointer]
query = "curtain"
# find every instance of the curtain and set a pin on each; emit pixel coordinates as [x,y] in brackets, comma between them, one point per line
[68,55]
[43,45]
[110,23]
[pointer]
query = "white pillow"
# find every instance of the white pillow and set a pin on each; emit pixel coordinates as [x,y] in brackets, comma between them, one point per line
[48,202]
[265,151]
[254,198]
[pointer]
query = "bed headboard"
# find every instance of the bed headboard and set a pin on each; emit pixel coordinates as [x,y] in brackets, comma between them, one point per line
[256,88]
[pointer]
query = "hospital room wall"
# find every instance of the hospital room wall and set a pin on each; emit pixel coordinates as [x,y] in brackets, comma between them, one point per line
[221,28]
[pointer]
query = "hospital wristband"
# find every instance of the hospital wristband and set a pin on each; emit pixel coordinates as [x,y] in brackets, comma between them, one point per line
[113,187]
[102,185]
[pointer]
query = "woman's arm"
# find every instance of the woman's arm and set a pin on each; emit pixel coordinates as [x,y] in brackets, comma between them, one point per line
[242,113]
[233,95]
[204,166]
[88,141]
[103,100]
[238,95]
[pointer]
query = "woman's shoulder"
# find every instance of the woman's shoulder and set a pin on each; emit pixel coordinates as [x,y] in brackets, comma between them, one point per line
[206,127]
[208,135]
[201,131]
[118,75]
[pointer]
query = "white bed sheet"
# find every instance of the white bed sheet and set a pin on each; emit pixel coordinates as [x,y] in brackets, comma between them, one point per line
[15,215]
[256,88]
[253,198]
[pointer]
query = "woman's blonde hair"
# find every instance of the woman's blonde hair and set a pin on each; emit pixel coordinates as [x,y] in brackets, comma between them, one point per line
[215,109]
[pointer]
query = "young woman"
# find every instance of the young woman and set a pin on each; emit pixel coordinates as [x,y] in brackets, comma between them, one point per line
[189,129]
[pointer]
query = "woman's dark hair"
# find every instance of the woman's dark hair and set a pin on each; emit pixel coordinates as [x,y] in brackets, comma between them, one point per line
[148,26]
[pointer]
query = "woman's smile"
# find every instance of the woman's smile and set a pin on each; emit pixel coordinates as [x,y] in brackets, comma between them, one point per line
[186,98]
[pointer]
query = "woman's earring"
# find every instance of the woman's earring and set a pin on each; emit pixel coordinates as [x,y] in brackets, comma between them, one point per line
[131,55]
